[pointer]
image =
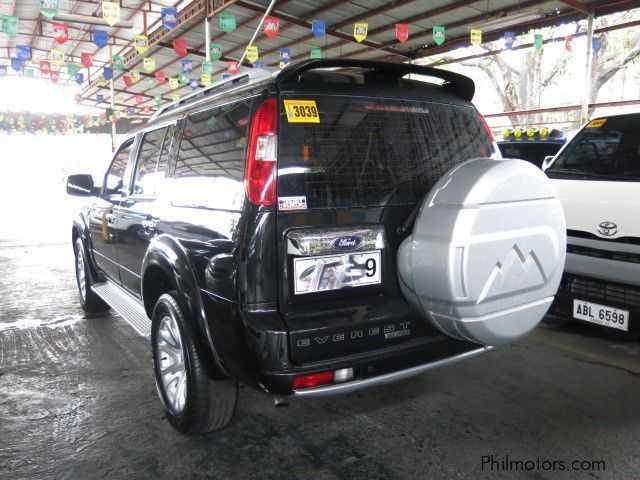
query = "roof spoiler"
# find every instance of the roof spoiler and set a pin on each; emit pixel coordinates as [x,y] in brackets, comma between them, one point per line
[459,84]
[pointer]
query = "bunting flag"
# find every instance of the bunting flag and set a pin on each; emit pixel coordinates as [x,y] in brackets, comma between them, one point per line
[9,25]
[187,66]
[318,27]
[86,59]
[117,62]
[151,82]
[180,47]
[99,98]
[56,56]
[146,109]
[173,83]
[103,82]
[439,35]
[271,26]
[216,51]
[141,43]
[134,75]
[107,73]
[3,70]
[79,78]
[131,111]
[285,57]
[316,53]
[227,21]
[111,12]
[149,64]
[60,32]
[28,72]
[205,79]
[158,100]
[538,41]
[54,76]
[170,18]
[193,84]
[72,68]
[476,36]
[23,52]
[16,64]
[120,97]
[45,67]
[258,64]
[160,77]
[207,68]
[127,81]
[175,97]
[252,53]
[139,99]
[226,75]
[232,67]
[596,44]
[568,43]
[509,38]
[183,78]
[360,31]
[48,8]
[100,38]
[402,32]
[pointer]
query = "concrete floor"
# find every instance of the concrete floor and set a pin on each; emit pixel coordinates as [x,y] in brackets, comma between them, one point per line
[77,400]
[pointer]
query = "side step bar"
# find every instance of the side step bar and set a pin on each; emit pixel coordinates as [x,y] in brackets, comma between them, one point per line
[126,305]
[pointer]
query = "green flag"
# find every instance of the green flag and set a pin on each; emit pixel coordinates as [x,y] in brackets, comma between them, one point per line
[207,67]
[216,51]
[438,35]
[538,41]
[227,22]
[72,69]
[9,25]
[316,53]
[49,8]
[118,62]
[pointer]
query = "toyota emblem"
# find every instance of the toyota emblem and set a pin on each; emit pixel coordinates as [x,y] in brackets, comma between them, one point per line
[608,229]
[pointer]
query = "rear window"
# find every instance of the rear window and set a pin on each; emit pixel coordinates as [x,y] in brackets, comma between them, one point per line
[606,149]
[369,151]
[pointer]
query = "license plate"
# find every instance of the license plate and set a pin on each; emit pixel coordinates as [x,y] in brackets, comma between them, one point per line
[601,314]
[334,272]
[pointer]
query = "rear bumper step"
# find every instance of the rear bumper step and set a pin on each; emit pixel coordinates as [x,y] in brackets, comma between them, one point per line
[128,307]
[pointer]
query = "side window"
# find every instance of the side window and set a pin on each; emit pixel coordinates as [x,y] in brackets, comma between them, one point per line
[113,180]
[152,161]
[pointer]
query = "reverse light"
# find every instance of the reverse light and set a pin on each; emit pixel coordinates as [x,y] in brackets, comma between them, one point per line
[260,170]
[313,380]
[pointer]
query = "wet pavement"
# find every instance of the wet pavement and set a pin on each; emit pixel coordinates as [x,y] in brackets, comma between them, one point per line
[77,400]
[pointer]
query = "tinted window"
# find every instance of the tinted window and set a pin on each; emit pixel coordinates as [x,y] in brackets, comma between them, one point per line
[115,175]
[609,150]
[371,151]
[152,161]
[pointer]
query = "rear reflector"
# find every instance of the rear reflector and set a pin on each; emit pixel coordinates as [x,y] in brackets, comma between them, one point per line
[260,172]
[487,128]
[313,380]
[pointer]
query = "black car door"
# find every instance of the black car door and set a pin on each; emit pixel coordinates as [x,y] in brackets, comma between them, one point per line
[138,215]
[102,217]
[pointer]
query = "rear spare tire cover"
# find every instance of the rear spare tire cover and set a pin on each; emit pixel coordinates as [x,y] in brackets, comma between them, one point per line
[487,251]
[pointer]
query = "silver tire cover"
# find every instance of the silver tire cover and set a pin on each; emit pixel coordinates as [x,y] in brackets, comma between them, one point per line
[487,251]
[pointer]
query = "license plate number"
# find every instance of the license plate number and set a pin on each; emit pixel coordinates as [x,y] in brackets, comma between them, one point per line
[334,272]
[601,314]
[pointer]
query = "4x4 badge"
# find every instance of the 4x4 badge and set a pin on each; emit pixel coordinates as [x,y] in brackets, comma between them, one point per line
[608,229]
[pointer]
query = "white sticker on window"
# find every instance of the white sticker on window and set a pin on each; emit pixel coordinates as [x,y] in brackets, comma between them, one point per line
[292,203]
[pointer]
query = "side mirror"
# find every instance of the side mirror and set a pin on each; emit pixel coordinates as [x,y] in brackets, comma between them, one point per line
[547,161]
[80,185]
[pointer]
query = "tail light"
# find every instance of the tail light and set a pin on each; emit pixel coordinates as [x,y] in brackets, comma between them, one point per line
[313,380]
[262,154]
[486,126]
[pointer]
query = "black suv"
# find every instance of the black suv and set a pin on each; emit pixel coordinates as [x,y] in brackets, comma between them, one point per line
[331,226]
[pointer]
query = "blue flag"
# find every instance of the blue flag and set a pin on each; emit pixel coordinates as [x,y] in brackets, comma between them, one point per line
[100,38]
[170,18]
[16,64]
[319,27]
[132,111]
[224,75]
[3,70]
[187,66]
[99,98]
[509,37]
[23,52]
[107,72]
[258,64]
[193,83]
[285,55]
[596,44]
[79,78]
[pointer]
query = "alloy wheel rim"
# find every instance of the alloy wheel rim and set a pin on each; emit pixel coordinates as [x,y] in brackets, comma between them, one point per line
[173,374]
[80,275]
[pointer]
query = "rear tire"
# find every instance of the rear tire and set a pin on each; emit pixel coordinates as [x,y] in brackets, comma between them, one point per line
[193,402]
[90,302]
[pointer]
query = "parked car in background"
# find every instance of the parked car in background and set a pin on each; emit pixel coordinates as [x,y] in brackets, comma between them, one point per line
[531,144]
[597,176]
[327,227]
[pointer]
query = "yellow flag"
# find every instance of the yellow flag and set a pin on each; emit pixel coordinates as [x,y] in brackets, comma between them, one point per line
[102,81]
[476,36]
[173,83]
[57,56]
[149,64]
[135,76]
[111,12]
[205,79]
[175,97]
[252,53]
[360,31]
[141,43]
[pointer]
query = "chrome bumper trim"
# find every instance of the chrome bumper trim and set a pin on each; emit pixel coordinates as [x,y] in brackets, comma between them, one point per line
[348,387]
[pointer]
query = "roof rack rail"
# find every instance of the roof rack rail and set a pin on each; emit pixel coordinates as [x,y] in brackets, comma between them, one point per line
[459,84]
[254,75]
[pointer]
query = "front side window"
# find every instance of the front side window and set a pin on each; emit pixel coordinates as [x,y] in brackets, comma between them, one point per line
[152,161]
[113,180]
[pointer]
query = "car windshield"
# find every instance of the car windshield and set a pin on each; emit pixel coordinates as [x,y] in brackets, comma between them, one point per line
[606,149]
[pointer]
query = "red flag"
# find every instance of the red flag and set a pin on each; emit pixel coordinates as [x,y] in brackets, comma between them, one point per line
[60,32]
[568,43]
[127,80]
[138,99]
[232,67]
[146,109]
[45,67]
[402,32]
[161,77]
[180,47]
[86,59]
[54,75]
[271,26]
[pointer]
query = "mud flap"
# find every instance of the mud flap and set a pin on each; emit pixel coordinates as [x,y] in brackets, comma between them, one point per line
[487,251]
